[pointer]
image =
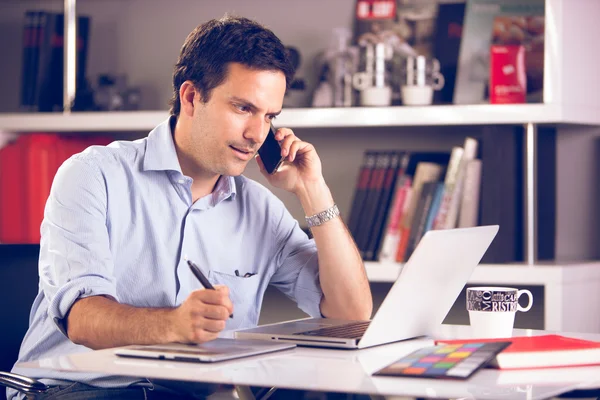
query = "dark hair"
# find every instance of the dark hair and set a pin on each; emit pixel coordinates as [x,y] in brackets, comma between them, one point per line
[208,50]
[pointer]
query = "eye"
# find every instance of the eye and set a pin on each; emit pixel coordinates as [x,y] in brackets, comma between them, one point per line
[272,117]
[242,108]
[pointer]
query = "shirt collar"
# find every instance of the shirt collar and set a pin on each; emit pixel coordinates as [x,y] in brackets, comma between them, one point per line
[224,189]
[161,156]
[160,149]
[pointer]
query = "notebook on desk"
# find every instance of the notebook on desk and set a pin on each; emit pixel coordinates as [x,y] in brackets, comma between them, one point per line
[216,350]
[419,300]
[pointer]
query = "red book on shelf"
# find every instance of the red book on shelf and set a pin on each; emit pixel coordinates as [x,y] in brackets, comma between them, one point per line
[40,164]
[542,351]
[13,218]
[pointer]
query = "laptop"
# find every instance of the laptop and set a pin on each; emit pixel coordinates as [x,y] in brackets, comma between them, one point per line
[220,349]
[417,303]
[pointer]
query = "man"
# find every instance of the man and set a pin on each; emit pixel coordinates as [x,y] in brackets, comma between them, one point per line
[121,221]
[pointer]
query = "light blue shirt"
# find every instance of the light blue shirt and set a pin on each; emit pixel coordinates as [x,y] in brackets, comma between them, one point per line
[120,221]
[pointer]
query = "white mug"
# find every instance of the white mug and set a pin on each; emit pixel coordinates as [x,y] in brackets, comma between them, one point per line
[420,77]
[492,310]
[376,96]
[421,71]
[416,95]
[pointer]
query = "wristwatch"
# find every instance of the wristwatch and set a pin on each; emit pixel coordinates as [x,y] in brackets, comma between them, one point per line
[323,216]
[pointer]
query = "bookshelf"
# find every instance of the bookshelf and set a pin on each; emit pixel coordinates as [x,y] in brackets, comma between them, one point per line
[444,115]
[570,103]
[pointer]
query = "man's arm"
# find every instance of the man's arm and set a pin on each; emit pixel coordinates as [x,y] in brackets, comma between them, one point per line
[100,322]
[346,291]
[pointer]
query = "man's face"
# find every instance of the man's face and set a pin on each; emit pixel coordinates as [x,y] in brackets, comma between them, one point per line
[228,129]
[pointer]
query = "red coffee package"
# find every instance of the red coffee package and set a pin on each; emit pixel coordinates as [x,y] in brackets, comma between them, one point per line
[508,79]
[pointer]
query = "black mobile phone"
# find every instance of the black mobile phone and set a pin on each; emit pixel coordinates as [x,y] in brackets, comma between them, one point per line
[270,152]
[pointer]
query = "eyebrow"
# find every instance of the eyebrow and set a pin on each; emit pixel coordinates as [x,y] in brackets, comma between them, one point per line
[248,104]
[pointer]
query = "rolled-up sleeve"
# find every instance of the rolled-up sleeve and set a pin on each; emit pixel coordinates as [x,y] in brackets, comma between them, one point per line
[75,259]
[297,274]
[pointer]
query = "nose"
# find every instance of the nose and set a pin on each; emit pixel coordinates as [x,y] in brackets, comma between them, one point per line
[257,130]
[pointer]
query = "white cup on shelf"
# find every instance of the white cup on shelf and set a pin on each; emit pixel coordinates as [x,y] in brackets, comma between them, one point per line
[421,76]
[376,96]
[416,95]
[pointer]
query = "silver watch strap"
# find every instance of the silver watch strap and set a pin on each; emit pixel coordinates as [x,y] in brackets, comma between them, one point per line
[323,216]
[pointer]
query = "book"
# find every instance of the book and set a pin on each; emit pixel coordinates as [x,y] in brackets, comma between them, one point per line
[399,206]
[435,207]
[470,152]
[426,172]
[361,191]
[49,90]
[13,218]
[449,187]
[398,163]
[545,351]
[469,205]
[373,197]
[30,27]
[448,34]
[429,192]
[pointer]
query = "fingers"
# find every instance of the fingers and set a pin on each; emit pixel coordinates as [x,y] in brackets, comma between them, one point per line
[210,325]
[203,314]
[290,143]
[218,298]
[210,311]
[298,147]
[224,290]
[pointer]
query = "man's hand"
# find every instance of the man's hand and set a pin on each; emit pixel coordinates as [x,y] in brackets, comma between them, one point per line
[202,315]
[100,322]
[301,168]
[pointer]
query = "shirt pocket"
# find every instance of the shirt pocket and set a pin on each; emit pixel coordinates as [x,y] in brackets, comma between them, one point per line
[246,295]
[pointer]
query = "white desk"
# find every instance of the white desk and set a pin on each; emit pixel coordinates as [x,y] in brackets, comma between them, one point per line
[344,371]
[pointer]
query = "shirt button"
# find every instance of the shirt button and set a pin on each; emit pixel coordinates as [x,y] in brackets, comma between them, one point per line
[182,181]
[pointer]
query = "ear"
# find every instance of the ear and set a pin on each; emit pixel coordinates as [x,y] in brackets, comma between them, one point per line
[187,94]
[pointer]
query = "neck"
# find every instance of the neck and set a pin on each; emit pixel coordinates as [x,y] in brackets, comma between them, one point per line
[203,182]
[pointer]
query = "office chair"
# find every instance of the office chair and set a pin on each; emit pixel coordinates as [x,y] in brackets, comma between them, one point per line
[18,288]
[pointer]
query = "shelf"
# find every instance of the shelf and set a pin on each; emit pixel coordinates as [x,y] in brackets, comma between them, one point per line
[506,274]
[313,118]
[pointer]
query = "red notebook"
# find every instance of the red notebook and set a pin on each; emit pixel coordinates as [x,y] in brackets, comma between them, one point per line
[542,351]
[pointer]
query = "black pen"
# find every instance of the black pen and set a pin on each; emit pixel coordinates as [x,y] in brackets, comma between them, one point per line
[198,274]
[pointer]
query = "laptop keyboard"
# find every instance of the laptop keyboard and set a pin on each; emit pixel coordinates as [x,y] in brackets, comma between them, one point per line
[352,330]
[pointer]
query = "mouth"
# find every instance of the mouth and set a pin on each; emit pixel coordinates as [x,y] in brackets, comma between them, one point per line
[243,153]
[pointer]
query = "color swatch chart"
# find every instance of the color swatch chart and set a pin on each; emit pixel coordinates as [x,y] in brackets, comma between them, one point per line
[445,361]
